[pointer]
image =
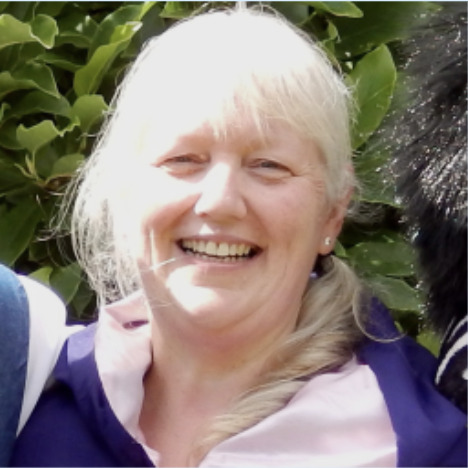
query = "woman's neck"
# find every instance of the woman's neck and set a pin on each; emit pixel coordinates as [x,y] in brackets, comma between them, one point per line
[194,380]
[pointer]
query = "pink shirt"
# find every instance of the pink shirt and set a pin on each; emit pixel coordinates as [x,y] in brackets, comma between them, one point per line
[337,419]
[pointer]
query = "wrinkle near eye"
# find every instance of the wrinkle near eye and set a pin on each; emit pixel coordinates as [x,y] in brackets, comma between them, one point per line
[270,169]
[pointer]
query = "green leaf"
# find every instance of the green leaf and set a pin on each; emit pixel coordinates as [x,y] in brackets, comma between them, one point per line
[63,60]
[177,10]
[77,28]
[153,25]
[89,109]
[29,76]
[66,281]
[11,178]
[382,23]
[388,259]
[23,11]
[430,341]
[37,136]
[396,294]
[353,233]
[43,161]
[14,56]
[332,32]
[13,31]
[39,102]
[42,275]
[40,251]
[83,299]
[88,79]
[67,165]
[41,75]
[339,250]
[45,28]
[348,9]
[17,227]
[296,12]
[3,108]
[50,8]
[128,15]
[373,80]
[42,29]
[8,136]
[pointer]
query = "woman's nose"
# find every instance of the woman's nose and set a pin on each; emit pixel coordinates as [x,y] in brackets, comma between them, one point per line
[220,195]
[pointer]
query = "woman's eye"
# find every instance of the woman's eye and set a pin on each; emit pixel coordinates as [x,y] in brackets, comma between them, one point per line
[183,159]
[270,169]
[181,164]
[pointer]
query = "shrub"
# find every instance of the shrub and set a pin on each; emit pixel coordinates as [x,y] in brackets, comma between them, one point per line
[61,62]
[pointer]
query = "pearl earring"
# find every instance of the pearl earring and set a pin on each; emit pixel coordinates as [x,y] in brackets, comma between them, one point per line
[327,241]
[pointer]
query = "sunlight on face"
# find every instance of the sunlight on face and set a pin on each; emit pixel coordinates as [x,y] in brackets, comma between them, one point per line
[236,223]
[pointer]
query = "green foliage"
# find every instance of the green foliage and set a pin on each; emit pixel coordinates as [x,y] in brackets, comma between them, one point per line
[61,62]
[373,79]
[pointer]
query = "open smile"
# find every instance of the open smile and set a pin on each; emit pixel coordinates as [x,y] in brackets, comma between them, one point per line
[219,251]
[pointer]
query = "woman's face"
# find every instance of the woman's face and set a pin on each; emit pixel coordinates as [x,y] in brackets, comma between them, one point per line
[230,228]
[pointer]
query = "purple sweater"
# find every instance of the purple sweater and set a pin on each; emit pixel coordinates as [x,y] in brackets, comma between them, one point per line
[74,425]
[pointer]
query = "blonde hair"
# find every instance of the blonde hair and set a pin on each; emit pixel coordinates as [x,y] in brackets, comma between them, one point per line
[329,328]
[214,68]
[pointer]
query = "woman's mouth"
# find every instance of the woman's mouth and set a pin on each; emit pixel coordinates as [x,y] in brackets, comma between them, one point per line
[221,251]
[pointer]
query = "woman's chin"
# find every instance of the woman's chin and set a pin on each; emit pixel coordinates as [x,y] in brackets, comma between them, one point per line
[200,298]
[209,307]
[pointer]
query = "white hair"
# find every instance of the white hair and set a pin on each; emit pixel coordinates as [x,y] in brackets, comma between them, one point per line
[215,68]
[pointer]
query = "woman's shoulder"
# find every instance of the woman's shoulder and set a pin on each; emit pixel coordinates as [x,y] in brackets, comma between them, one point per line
[335,419]
[430,429]
[74,412]
[53,433]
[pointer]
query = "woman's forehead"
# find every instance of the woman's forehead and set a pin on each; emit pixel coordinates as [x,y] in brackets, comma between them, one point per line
[243,131]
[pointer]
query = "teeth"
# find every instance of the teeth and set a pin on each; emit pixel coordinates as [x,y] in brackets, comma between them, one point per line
[210,249]
[223,250]
[214,249]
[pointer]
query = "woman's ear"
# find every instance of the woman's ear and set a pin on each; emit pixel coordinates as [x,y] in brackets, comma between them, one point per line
[334,222]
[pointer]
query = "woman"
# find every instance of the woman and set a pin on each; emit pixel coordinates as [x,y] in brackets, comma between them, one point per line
[219,185]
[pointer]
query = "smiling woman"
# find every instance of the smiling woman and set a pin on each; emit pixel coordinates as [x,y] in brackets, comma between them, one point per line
[203,80]
[228,333]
